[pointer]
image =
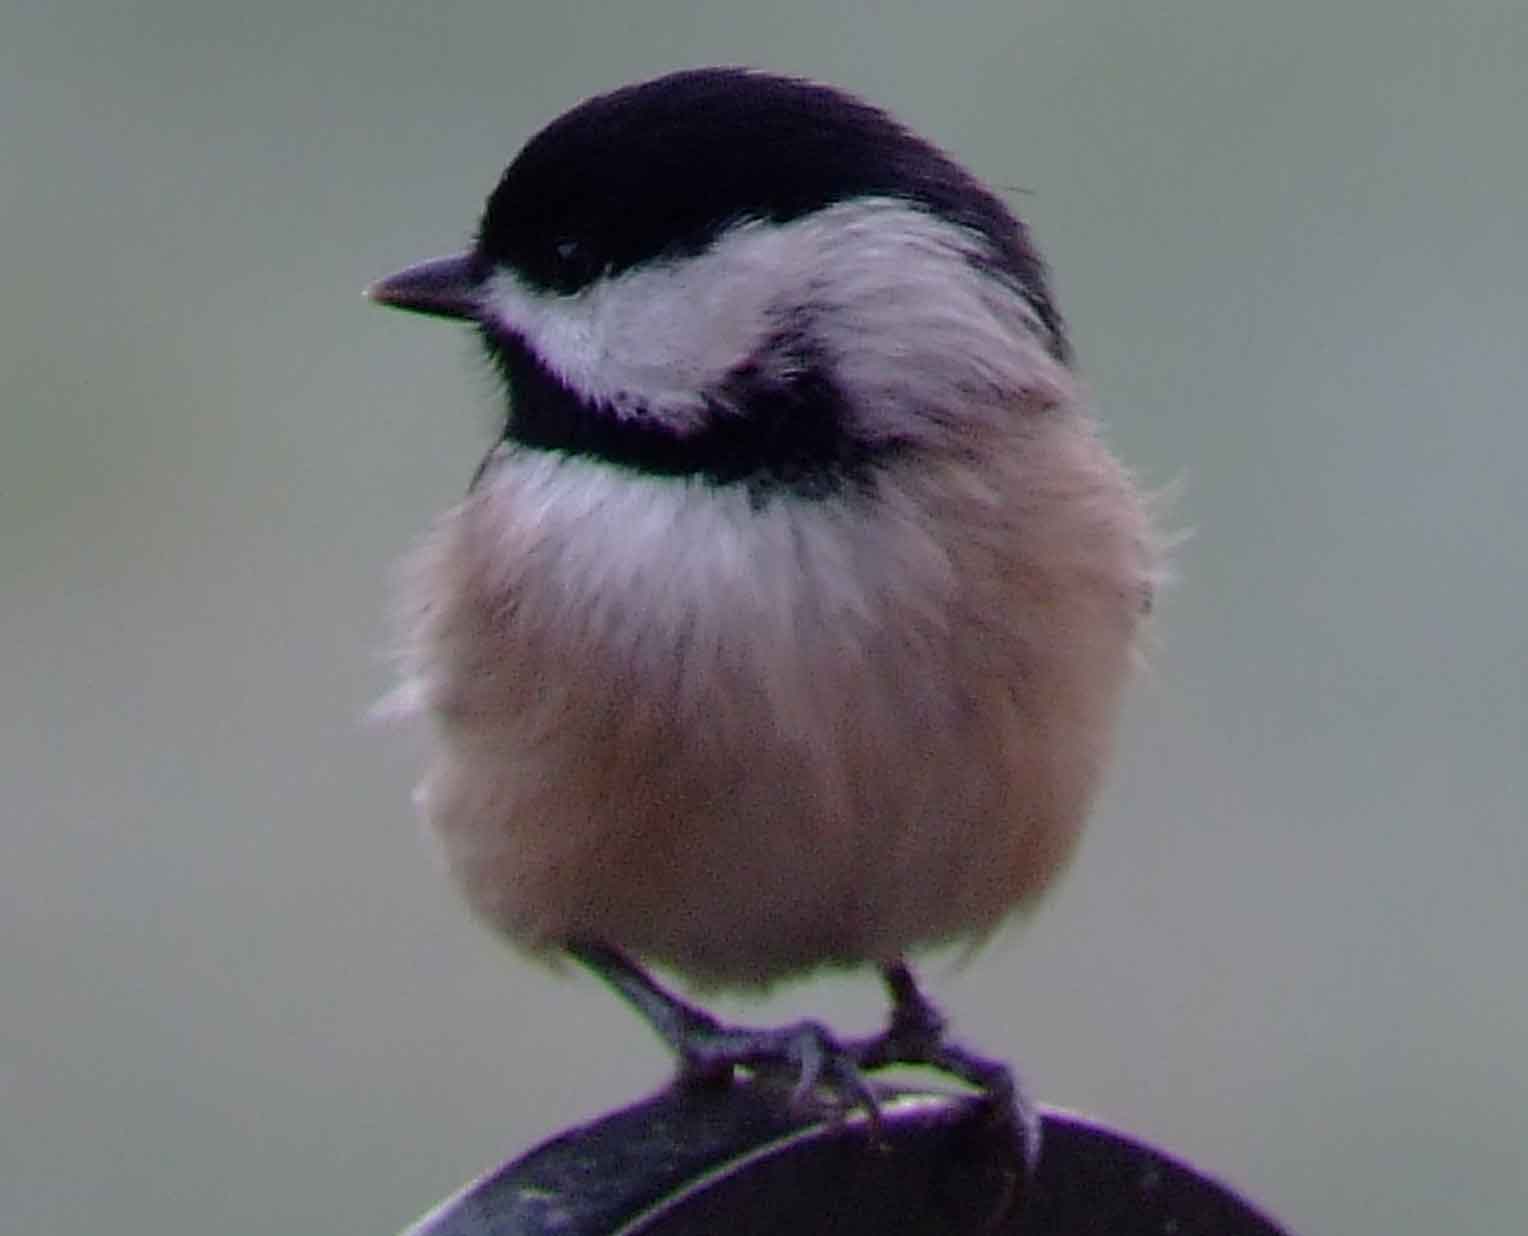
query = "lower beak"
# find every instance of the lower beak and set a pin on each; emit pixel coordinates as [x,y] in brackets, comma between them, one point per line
[444,287]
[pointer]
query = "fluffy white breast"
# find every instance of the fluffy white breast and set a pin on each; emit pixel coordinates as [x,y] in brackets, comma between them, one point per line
[748,736]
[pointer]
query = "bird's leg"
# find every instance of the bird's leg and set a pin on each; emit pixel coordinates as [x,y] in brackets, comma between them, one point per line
[916,1036]
[709,1051]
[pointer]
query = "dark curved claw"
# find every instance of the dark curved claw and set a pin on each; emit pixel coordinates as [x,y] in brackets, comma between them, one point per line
[821,1064]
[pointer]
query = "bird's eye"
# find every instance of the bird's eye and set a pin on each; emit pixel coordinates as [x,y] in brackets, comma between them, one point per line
[576,263]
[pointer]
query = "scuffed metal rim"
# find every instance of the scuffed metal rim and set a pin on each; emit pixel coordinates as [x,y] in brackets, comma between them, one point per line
[741,1159]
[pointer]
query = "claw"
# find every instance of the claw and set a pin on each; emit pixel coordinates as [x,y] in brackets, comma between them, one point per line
[820,1064]
[809,1054]
[709,1052]
[916,1036]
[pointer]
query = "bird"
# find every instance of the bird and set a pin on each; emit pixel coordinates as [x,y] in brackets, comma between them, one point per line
[785,625]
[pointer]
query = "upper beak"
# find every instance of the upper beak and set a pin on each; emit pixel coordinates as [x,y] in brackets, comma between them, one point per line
[443,287]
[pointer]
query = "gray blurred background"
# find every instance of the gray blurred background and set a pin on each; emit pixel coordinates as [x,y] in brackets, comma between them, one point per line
[237,995]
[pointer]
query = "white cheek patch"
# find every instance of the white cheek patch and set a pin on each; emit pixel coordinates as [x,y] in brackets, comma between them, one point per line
[648,342]
[895,301]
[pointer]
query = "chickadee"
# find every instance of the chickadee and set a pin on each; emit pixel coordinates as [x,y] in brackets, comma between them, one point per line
[786,625]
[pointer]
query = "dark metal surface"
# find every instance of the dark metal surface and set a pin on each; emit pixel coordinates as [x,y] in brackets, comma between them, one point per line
[738,1160]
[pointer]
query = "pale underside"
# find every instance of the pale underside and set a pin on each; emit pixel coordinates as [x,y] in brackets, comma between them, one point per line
[745,738]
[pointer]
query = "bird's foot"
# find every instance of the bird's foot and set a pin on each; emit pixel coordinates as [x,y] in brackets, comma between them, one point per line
[916,1036]
[820,1066]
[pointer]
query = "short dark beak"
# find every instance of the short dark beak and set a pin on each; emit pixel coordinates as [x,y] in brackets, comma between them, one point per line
[444,287]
